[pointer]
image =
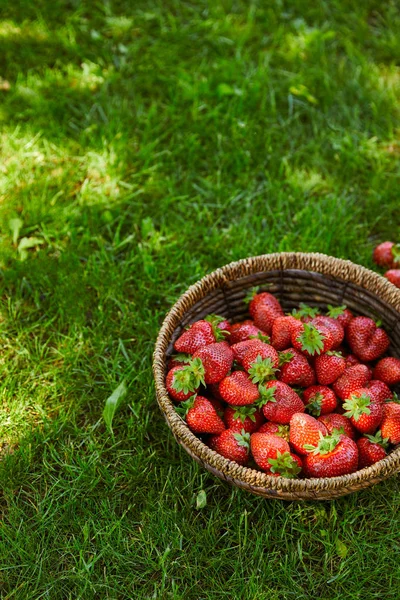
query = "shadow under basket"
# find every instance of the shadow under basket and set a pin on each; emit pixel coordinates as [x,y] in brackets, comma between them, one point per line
[317,280]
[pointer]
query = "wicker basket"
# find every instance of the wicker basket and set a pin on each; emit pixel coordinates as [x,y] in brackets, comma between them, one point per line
[316,279]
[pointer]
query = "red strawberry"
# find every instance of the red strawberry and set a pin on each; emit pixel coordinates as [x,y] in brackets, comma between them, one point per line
[221,327]
[340,423]
[393,275]
[201,416]
[351,360]
[305,430]
[335,455]
[181,383]
[248,418]
[263,299]
[244,331]
[364,413]
[295,369]
[329,367]
[241,348]
[265,446]
[341,313]
[265,316]
[275,429]
[371,449]
[319,400]
[334,327]
[379,391]
[261,362]
[178,360]
[238,389]
[388,370]
[233,445]
[198,335]
[279,402]
[286,465]
[305,313]
[352,379]
[217,361]
[366,340]
[310,339]
[282,332]
[387,254]
[390,426]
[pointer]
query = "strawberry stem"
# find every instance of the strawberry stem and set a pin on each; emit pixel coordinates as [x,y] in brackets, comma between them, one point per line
[312,340]
[357,405]
[261,370]
[284,465]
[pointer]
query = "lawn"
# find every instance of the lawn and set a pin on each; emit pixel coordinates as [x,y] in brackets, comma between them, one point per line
[144,144]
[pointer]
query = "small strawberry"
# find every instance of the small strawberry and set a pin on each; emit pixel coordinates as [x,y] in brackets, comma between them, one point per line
[234,445]
[279,402]
[221,324]
[243,331]
[262,299]
[329,367]
[333,421]
[265,446]
[371,449]
[282,332]
[198,335]
[295,369]
[287,465]
[335,455]
[341,313]
[216,359]
[390,426]
[265,316]
[275,429]
[305,431]
[178,360]
[387,254]
[379,391]
[261,362]
[388,370]
[364,414]
[319,400]
[310,339]
[248,418]
[352,379]
[393,275]
[334,327]
[305,313]
[201,415]
[238,389]
[366,340]
[181,383]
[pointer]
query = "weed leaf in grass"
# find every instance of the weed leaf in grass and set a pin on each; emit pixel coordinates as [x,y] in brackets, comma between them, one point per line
[201,500]
[112,404]
[27,244]
[15,226]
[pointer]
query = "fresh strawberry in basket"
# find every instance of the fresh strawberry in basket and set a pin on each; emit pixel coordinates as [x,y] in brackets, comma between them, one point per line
[181,383]
[265,315]
[341,313]
[390,426]
[216,360]
[281,336]
[364,413]
[388,370]
[334,327]
[312,339]
[202,333]
[319,400]
[295,369]
[201,415]
[262,299]
[335,455]
[233,445]
[266,447]
[305,431]
[261,362]
[279,402]
[246,330]
[366,340]
[352,379]
[249,418]
[340,423]
[238,389]
[379,391]
[329,367]
[371,449]
[275,429]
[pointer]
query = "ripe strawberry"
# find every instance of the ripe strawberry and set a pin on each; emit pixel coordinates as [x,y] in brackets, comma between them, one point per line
[265,316]
[217,361]
[371,449]
[319,400]
[240,349]
[390,426]
[388,370]
[279,402]
[351,360]
[221,327]
[366,340]
[379,391]
[275,429]
[305,430]
[352,379]
[341,313]
[201,415]
[265,446]
[198,335]
[329,367]
[262,299]
[178,360]
[393,275]
[305,313]
[282,332]
[243,331]
[234,445]
[286,465]
[261,362]
[340,423]
[364,413]
[238,389]
[335,455]
[334,327]
[181,383]
[248,418]
[387,254]
[310,339]
[295,369]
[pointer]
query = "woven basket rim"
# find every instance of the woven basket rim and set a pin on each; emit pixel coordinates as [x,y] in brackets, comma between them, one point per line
[343,270]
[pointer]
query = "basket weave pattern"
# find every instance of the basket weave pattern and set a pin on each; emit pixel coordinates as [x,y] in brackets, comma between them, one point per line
[315,279]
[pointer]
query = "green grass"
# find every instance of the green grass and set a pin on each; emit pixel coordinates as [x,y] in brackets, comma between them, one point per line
[144,144]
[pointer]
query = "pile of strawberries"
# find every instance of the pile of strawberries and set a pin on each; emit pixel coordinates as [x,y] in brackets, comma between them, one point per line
[295,395]
[387,255]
